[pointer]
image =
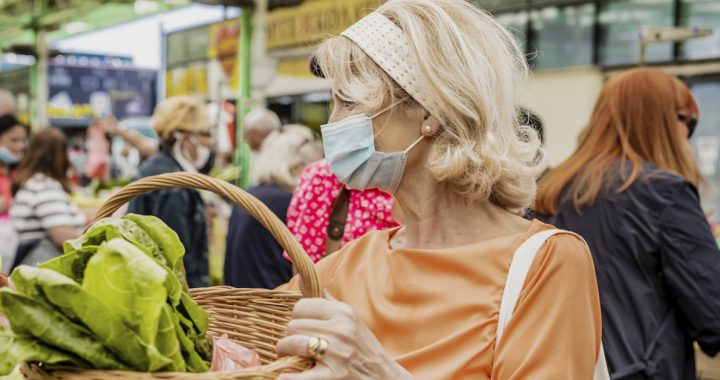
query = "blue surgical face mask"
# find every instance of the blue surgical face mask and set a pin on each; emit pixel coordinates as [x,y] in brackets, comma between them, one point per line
[350,151]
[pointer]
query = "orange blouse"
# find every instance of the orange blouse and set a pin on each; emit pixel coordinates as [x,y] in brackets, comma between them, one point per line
[436,311]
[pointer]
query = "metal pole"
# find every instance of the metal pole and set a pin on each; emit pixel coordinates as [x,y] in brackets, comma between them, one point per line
[163,74]
[41,75]
[242,150]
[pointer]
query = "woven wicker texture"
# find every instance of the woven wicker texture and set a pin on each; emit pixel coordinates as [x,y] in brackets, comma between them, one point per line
[254,318]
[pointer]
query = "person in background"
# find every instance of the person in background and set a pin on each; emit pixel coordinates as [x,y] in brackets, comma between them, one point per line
[13,142]
[258,125]
[324,214]
[7,162]
[146,146]
[253,258]
[41,210]
[7,102]
[183,127]
[630,189]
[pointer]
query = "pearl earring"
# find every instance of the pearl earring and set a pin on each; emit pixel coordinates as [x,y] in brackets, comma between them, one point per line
[427,129]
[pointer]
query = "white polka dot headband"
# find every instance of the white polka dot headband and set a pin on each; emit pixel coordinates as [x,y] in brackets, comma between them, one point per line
[388,46]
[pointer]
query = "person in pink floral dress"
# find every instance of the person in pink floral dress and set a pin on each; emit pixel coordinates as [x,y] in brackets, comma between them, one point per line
[312,202]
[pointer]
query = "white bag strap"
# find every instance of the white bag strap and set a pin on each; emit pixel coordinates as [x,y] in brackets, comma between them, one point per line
[519,267]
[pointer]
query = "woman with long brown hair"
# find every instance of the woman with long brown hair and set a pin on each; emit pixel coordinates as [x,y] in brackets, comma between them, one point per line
[630,189]
[42,211]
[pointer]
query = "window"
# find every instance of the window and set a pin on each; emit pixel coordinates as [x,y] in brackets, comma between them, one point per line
[620,25]
[563,36]
[517,23]
[188,45]
[701,14]
[494,5]
[706,141]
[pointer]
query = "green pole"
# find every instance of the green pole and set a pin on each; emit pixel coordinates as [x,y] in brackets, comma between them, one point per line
[242,152]
[39,71]
[34,114]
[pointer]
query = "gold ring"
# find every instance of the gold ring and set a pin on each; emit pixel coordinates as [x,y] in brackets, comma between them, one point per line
[317,347]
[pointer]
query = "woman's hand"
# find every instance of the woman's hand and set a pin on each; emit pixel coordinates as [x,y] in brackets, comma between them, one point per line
[5,281]
[352,352]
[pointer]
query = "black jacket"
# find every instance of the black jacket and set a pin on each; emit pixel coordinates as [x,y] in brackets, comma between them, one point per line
[658,269]
[182,210]
[253,258]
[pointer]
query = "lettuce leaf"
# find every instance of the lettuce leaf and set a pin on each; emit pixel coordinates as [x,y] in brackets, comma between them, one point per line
[30,317]
[111,228]
[172,249]
[130,283]
[72,265]
[167,240]
[78,305]
[188,342]
[15,349]
[167,340]
[172,334]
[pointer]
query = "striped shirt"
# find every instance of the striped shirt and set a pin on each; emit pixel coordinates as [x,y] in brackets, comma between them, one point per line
[41,204]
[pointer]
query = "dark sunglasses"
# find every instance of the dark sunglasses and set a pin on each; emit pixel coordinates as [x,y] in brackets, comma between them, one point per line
[691,123]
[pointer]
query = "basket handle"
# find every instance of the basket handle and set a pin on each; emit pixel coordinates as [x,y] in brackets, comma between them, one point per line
[258,210]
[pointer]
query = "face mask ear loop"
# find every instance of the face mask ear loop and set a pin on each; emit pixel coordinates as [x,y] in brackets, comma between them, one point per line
[413,144]
[382,112]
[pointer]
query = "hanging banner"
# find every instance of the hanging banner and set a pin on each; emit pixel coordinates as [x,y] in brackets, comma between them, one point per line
[222,51]
[313,21]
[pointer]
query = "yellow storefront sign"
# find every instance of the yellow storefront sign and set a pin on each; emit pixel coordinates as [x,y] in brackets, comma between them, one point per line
[294,67]
[75,111]
[186,81]
[314,20]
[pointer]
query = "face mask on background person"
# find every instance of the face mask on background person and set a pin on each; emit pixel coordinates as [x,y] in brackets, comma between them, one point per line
[208,167]
[202,152]
[350,151]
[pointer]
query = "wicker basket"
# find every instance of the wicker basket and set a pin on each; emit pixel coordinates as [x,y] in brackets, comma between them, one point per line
[254,318]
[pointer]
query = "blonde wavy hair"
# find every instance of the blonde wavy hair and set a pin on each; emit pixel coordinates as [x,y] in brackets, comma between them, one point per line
[179,114]
[291,147]
[472,67]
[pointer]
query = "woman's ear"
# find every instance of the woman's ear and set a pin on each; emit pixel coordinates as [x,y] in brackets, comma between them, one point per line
[430,126]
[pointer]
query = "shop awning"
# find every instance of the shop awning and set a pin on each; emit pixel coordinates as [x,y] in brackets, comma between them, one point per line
[19,19]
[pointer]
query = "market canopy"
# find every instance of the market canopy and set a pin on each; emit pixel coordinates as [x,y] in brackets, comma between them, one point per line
[19,19]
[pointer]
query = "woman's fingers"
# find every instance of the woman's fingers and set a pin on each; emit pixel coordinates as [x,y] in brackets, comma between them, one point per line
[310,327]
[316,308]
[293,345]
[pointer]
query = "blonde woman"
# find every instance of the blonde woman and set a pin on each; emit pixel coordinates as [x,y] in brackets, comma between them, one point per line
[183,127]
[425,95]
[253,258]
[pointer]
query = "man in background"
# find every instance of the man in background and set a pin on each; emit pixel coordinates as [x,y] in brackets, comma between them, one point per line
[258,124]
